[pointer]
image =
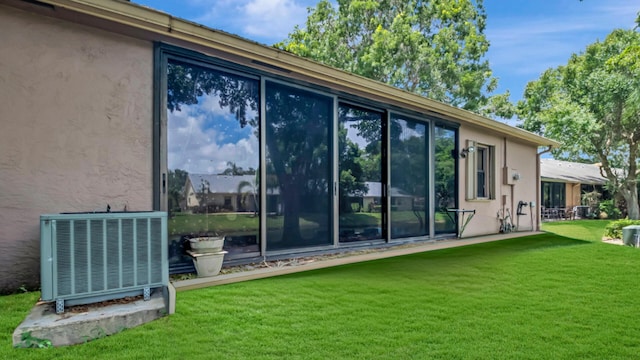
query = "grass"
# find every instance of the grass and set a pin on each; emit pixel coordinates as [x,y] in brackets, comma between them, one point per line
[182,223]
[559,295]
[205,223]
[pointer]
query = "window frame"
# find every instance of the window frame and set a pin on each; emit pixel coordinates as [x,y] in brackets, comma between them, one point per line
[164,52]
[481,154]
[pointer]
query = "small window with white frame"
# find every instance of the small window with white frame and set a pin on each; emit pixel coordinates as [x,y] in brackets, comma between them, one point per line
[480,171]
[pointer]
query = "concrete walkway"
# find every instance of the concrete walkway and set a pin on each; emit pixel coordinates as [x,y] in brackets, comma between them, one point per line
[399,250]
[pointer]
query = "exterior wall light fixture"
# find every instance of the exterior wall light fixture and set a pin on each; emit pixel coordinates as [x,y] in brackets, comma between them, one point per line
[465,151]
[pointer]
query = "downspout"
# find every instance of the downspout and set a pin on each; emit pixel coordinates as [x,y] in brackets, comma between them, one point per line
[538,185]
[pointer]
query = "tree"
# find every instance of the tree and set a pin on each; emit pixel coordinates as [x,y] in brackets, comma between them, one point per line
[351,173]
[592,106]
[252,192]
[234,170]
[297,139]
[432,48]
[177,179]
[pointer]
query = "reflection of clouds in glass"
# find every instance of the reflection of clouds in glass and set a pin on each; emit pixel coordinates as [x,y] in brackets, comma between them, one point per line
[408,133]
[202,138]
[352,134]
[210,104]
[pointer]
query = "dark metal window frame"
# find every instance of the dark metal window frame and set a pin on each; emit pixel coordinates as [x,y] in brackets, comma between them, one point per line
[163,52]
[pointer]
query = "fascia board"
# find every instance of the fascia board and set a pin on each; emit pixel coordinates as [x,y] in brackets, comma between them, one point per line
[144,18]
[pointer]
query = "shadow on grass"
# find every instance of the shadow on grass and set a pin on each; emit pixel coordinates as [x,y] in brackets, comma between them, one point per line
[502,248]
[527,243]
[463,255]
[589,230]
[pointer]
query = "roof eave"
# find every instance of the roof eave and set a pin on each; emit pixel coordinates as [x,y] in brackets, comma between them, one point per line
[154,21]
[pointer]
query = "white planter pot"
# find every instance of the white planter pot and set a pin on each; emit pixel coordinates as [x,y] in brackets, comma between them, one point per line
[207,244]
[208,264]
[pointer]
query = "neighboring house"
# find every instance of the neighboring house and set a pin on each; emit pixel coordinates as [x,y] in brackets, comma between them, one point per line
[102,99]
[563,183]
[372,198]
[220,193]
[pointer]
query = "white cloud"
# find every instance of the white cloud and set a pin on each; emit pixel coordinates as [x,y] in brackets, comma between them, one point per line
[196,147]
[264,21]
[275,18]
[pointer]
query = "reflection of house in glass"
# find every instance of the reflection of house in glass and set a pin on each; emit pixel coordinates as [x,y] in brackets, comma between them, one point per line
[372,198]
[205,193]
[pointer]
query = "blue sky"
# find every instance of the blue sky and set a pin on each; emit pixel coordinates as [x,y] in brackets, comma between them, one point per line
[527,36]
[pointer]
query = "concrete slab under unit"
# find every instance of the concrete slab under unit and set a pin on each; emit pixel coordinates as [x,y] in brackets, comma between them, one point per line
[93,322]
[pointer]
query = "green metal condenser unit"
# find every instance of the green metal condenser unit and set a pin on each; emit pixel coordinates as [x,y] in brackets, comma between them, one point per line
[93,257]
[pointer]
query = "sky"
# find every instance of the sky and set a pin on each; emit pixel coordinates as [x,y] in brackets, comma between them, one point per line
[527,36]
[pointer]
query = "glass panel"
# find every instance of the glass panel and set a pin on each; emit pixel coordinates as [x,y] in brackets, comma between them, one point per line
[409,180]
[481,158]
[297,130]
[213,156]
[553,195]
[445,179]
[359,153]
[546,194]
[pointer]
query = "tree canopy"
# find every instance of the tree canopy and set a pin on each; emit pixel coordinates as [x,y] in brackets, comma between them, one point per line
[433,48]
[592,106]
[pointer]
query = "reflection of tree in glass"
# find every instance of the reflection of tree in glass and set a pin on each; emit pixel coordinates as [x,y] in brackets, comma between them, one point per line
[445,168]
[358,165]
[235,170]
[177,179]
[408,163]
[251,193]
[186,83]
[189,84]
[297,150]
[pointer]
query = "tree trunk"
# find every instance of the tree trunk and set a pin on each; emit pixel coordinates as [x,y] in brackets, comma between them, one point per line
[630,195]
[291,202]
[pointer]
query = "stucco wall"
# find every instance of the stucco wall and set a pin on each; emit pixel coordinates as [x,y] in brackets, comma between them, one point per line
[572,194]
[518,158]
[76,130]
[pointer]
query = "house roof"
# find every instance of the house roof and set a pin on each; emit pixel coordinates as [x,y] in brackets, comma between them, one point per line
[565,171]
[146,23]
[220,184]
[374,189]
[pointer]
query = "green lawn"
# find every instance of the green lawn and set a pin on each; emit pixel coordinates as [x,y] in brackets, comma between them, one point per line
[224,223]
[559,295]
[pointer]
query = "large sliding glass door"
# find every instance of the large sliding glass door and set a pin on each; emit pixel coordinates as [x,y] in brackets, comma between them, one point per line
[361,204]
[213,157]
[275,167]
[409,188]
[298,128]
[445,187]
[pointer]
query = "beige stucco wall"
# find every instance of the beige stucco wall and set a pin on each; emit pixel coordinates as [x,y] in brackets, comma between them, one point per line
[76,130]
[572,194]
[518,158]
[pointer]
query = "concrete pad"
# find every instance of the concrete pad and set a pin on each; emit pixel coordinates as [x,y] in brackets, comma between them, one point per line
[96,322]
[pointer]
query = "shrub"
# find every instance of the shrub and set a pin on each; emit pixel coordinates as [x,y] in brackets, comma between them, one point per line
[609,208]
[614,229]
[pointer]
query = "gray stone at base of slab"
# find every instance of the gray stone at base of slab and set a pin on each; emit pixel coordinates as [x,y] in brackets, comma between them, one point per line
[75,328]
